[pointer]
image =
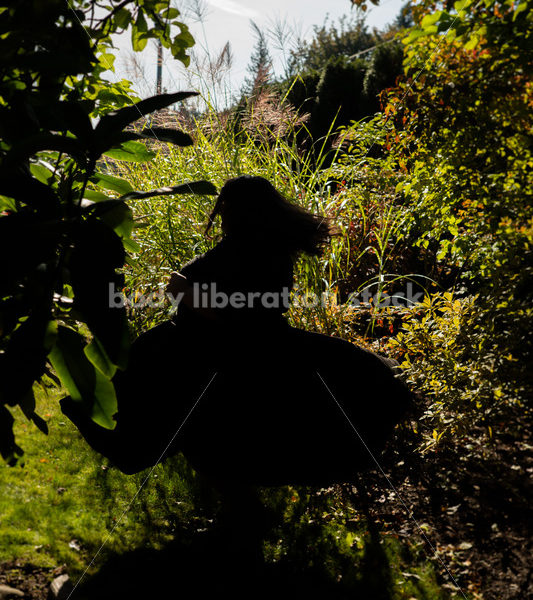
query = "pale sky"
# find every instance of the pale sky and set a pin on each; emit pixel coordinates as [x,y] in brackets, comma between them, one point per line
[229,20]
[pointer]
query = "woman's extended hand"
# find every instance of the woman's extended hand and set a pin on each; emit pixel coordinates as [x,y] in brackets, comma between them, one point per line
[178,284]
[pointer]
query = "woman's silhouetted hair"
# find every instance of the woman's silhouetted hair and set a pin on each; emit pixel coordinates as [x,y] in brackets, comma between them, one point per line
[252,208]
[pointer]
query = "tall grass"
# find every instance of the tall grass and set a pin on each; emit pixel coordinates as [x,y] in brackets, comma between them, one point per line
[170,230]
[263,137]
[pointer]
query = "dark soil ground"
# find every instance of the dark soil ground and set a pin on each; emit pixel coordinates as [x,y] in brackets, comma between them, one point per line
[473,505]
[33,581]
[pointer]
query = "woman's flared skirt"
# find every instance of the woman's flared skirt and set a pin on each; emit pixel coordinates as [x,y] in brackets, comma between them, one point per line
[270,407]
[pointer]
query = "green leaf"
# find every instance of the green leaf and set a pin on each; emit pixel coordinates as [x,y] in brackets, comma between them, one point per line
[27,405]
[414,35]
[28,190]
[141,22]
[107,61]
[520,8]
[162,134]
[181,43]
[429,20]
[461,4]
[122,18]
[84,382]
[139,39]
[170,13]
[24,359]
[131,152]
[70,364]
[195,187]
[114,122]
[7,204]
[95,196]
[117,215]
[41,173]
[131,245]
[109,182]
[97,253]
[96,353]
[8,448]
[76,116]
[40,142]
[472,43]
[40,423]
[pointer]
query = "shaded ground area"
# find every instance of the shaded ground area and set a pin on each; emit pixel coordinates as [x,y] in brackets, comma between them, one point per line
[471,503]
[33,581]
[205,569]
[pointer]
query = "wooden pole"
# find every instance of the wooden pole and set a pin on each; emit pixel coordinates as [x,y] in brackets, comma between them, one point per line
[158,87]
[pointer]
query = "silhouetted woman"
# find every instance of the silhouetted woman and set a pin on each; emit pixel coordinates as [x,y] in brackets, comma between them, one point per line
[246,397]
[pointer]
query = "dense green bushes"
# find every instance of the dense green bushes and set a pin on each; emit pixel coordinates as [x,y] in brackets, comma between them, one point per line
[462,138]
[345,88]
[338,75]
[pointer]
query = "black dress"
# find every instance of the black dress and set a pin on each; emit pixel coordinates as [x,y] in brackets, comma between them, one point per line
[246,397]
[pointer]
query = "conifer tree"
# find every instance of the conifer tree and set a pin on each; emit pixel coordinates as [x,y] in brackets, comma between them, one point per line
[260,66]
